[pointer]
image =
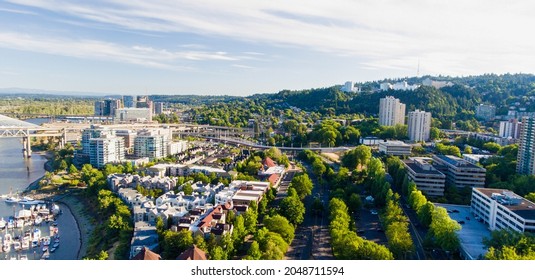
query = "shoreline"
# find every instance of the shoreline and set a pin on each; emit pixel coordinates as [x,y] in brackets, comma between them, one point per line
[82,222]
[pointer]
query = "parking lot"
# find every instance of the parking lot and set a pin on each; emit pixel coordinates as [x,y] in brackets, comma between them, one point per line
[369,227]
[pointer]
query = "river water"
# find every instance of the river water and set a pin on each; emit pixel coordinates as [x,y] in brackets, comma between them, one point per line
[16,173]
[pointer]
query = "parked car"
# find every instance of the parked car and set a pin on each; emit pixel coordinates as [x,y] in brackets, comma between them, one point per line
[373,212]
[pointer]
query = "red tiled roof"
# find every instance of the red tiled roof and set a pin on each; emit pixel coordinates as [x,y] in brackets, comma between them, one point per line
[268,162]
[147,255]
[273,178]
[192,253]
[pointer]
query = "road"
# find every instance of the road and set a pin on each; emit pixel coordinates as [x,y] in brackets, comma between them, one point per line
[312,239]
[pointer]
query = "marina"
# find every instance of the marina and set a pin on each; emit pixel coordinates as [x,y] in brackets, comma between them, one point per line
[34,234]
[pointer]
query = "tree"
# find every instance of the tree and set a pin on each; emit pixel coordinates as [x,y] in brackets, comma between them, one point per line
[63,165]
[354,203]
[530,197]
[302,185]
[254,252]
[492,147]
[318,167]
[72,169]
[103,255]
[280,225]
[188,189]
[417,200]
[250,220]
[175,243]
[292,208]
[239,230]
[425,214]
[434,133]
[217,253]
[467,150]
[444,230]
[399,238]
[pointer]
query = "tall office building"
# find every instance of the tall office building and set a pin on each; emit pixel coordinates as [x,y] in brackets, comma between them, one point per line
[526,147]
[391,111]
[419,125]
[129,101]
[106,149]
[107,108]
[158,108]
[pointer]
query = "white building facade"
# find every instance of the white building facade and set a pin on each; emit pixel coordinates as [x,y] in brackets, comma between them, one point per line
[419,126]
[391,111]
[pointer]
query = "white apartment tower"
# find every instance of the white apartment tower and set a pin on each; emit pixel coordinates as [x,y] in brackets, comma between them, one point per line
[106,149]
[419,125]
[391,111]
[526,147]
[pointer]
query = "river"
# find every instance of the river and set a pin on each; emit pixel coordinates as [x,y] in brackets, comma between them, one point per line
[16,173]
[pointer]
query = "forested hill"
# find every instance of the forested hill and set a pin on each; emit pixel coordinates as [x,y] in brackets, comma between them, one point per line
[457,100]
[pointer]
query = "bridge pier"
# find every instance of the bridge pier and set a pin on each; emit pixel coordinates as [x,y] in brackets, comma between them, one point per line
[26,147]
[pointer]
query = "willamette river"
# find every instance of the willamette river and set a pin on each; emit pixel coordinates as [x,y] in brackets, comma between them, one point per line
[16,173]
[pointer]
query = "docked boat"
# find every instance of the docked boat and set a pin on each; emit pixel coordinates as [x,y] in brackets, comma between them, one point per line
[3,223]
[38,220]
[46,241]
[19,223]
[29,201]
[10,224]
[12,199]
[25,244]
[6,247]
[45,248]
[53,249]
[17,246]
[36,234]
[23,257]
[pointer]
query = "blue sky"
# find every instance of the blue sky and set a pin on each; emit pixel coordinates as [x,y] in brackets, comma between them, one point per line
[245,47]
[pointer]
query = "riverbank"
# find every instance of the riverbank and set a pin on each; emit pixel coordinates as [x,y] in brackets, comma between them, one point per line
[85,228]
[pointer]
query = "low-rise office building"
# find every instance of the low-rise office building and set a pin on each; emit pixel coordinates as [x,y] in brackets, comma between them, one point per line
[427,179]
[395,148]
[502,209]
[459,172]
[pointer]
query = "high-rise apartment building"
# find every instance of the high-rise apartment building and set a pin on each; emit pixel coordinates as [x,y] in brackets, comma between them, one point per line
[106,149]
[129,101]
[419,125]
[526,147]
[510,128]
[391,111]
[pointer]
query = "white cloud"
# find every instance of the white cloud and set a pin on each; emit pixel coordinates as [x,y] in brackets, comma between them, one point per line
[445,35]
[93,49]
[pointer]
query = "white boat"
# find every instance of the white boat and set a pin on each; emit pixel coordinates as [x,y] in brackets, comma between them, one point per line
[25,244]
[56,245]
[53,249]
[12,199]
[8,239]
[23,257]
[17,246]
[6,247]
[45,248]
[46,241]
[30,201]
[38,220]
[3,223]
[10,224]
[13,258]
[19,223]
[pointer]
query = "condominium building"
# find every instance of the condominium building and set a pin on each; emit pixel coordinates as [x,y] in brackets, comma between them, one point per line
[510,129]
[158,107]
[427,179]
[152,146]
[391,111]
[106,149]
[526,148]
[419,125]
[459,172]
[395,148]
[129,101]
[93,132]
[502,209]
[128,135]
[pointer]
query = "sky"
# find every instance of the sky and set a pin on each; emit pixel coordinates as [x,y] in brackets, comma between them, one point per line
[245,47]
